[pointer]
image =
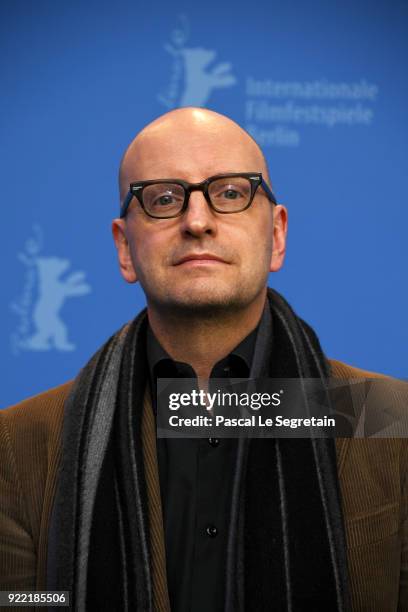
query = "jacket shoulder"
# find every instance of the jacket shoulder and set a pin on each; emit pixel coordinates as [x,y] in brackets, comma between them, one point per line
[345,371]
[31,432]
[42,412]
[384,398]
[30,445]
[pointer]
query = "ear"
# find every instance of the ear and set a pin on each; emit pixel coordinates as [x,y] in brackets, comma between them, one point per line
[122,245]
[280,228]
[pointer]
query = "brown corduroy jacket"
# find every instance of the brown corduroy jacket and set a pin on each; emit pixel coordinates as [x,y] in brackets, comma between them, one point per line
[373,484]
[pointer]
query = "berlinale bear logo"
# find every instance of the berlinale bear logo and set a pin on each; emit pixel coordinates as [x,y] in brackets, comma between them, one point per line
[41,327]
[192,77]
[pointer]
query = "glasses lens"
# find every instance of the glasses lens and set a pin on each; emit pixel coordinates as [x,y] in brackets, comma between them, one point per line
[163,199]
[230,194]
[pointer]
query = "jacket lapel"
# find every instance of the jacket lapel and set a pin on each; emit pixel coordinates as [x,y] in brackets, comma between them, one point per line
[161,601]
[342,446]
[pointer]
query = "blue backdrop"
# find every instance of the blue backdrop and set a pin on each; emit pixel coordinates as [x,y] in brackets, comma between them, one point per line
[321,85]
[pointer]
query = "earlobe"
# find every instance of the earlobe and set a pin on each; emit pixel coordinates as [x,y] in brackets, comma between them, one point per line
[122,246]
[280,228]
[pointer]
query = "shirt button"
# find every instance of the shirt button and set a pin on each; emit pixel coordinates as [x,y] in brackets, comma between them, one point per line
[211,531]
[213,442]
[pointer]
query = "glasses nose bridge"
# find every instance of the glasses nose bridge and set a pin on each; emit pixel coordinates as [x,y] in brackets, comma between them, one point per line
[190,187]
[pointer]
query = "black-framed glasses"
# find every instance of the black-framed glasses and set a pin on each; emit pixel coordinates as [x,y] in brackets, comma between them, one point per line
[224,193]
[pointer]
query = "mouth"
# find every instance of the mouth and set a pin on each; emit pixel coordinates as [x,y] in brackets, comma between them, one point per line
[199,259]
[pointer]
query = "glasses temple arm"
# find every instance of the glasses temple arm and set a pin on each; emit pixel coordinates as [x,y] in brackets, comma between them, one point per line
[125,204]
[268,191]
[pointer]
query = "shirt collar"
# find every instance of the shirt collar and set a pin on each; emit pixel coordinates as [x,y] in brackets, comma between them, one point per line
[247,350]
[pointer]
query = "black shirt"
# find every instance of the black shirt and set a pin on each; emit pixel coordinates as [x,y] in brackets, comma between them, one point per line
[196,482]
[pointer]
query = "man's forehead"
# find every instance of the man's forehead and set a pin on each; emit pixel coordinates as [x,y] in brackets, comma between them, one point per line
[199,153]
[190,144]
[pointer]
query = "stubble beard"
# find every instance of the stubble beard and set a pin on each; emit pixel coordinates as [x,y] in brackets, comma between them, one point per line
[206,302]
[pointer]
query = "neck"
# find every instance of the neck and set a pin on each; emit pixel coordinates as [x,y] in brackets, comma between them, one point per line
[203,341]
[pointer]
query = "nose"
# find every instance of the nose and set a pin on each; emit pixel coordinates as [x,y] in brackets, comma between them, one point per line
[199,219]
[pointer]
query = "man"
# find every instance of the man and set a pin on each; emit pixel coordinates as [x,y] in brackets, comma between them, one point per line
[93,503]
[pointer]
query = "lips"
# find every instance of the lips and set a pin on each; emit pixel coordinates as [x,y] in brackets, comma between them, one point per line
[199,257]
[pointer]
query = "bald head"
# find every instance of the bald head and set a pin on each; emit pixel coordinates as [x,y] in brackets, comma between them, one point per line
[191,144]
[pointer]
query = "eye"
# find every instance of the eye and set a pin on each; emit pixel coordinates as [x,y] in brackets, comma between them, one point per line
[228,191]
[231,194]
[164,200]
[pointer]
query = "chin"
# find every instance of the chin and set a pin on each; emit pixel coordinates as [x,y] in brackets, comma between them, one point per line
[204,295]
[204,301]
